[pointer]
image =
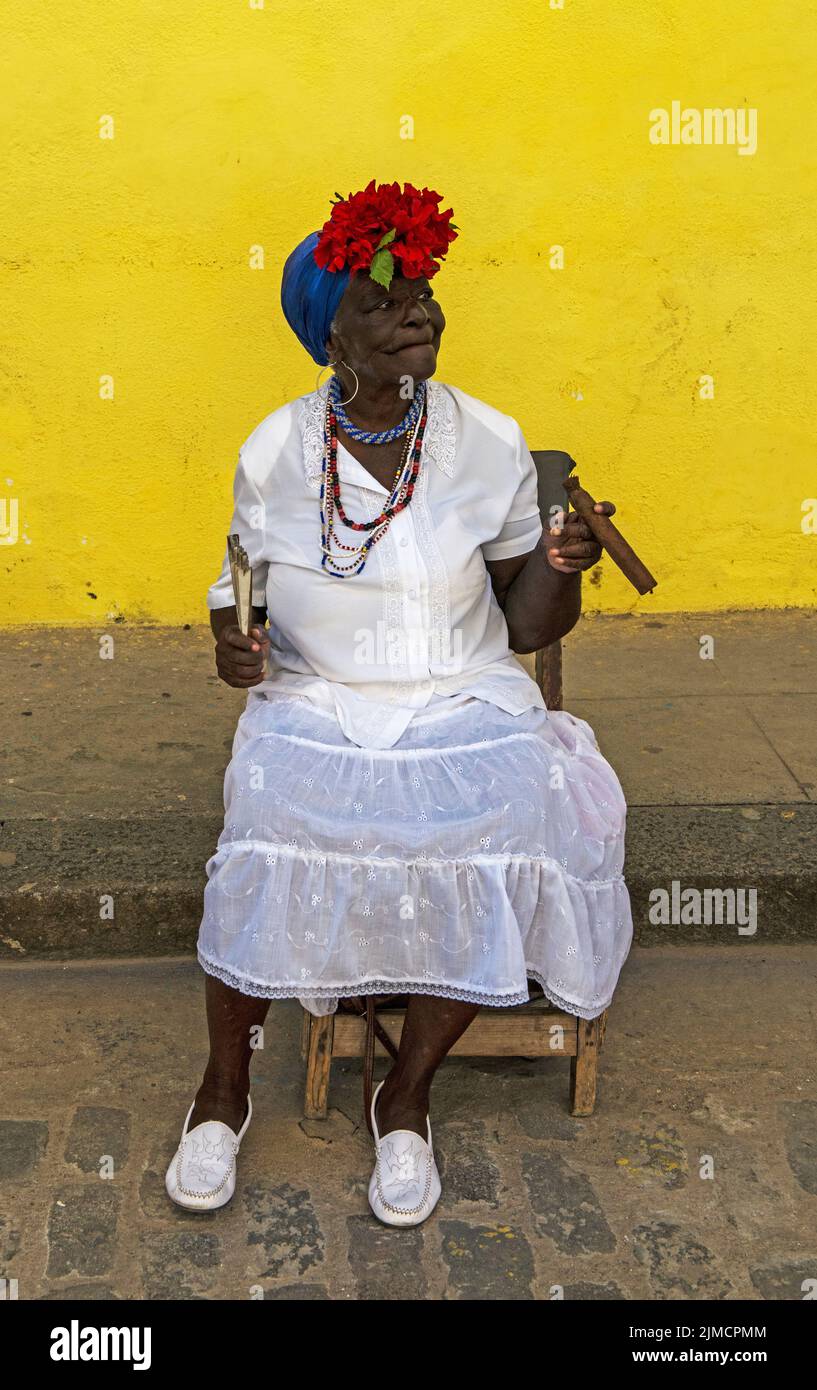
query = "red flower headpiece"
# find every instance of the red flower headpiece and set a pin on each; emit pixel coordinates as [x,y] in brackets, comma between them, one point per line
[374,229]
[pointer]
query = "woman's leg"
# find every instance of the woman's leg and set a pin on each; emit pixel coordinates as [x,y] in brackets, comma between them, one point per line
[431,1028]
[222,1094]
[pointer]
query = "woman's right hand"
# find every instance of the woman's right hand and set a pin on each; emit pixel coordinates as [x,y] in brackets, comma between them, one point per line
[241,661]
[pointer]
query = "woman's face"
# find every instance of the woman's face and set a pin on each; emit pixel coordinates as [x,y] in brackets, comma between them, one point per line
[388,334]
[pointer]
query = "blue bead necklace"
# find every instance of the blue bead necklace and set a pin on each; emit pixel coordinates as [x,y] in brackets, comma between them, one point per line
[400,497]
[407,423]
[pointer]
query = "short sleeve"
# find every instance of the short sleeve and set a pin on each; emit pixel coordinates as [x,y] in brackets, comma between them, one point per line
[522,526]
[249,523]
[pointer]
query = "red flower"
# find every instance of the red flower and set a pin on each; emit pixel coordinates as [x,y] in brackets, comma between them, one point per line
[420,233]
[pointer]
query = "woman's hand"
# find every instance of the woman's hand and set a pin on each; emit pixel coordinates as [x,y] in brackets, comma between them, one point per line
[241,661]
[571,545]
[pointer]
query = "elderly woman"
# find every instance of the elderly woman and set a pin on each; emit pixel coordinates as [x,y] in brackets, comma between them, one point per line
[403,813]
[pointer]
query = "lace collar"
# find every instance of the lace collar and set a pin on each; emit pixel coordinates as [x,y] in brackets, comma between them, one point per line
[439,442]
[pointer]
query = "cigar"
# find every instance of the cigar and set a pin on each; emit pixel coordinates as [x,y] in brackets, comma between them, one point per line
[609,537]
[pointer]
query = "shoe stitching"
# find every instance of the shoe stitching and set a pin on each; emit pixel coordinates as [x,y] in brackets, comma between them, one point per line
[401,1211]
[211,1192]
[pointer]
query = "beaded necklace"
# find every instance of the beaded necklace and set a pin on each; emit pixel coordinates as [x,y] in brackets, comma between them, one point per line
[400,497]
[404,426]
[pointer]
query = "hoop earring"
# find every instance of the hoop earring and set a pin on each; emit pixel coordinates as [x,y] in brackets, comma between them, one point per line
[330,363]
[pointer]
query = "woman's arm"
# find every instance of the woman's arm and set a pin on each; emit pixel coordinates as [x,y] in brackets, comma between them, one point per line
[540,605]
[240,661]
[540,593]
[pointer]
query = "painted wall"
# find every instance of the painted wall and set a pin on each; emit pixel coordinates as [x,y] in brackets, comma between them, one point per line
[127,263]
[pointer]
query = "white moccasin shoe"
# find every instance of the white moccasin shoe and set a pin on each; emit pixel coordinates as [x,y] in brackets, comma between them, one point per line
[405,1186]
[202,1172]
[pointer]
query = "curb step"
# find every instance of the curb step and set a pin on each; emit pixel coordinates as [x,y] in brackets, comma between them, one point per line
[54,872]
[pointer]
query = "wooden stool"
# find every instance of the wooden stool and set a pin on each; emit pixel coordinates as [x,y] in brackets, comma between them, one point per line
[535,1029]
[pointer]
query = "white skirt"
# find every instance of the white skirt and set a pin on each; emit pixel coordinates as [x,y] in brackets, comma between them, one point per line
[482,850]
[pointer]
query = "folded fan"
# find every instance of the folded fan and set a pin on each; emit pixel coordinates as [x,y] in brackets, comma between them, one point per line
[241,572]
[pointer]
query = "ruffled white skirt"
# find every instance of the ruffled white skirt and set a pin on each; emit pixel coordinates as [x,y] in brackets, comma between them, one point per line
[482,850]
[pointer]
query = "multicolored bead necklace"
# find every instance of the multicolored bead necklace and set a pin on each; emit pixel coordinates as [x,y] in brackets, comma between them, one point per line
[400,497]
[404,426]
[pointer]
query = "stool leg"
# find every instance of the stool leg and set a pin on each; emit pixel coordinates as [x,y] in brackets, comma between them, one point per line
[583,1067]
[305,1017]
[318,1066]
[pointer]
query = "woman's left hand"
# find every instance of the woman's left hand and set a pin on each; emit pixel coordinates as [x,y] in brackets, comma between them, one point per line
[571,545]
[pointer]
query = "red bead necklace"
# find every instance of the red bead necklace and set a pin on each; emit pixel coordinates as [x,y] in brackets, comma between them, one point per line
[401,495]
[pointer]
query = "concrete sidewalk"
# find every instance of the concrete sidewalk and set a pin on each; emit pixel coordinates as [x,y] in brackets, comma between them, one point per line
[693,1179]
[111,780]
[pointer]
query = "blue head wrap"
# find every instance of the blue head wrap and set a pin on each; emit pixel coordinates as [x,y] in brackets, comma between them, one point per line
[310,297]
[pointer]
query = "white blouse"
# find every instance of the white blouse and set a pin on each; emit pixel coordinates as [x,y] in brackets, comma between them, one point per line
[419,625]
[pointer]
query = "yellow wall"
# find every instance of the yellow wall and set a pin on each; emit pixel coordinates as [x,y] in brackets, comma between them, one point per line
[234,125]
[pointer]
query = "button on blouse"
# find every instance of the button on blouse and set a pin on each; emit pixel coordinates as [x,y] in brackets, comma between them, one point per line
[420,624]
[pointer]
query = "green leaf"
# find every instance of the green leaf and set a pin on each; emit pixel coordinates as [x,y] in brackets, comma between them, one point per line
[386,238]
[382,268]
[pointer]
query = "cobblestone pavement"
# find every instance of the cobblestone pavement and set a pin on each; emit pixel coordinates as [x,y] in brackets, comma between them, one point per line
[694,1179]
